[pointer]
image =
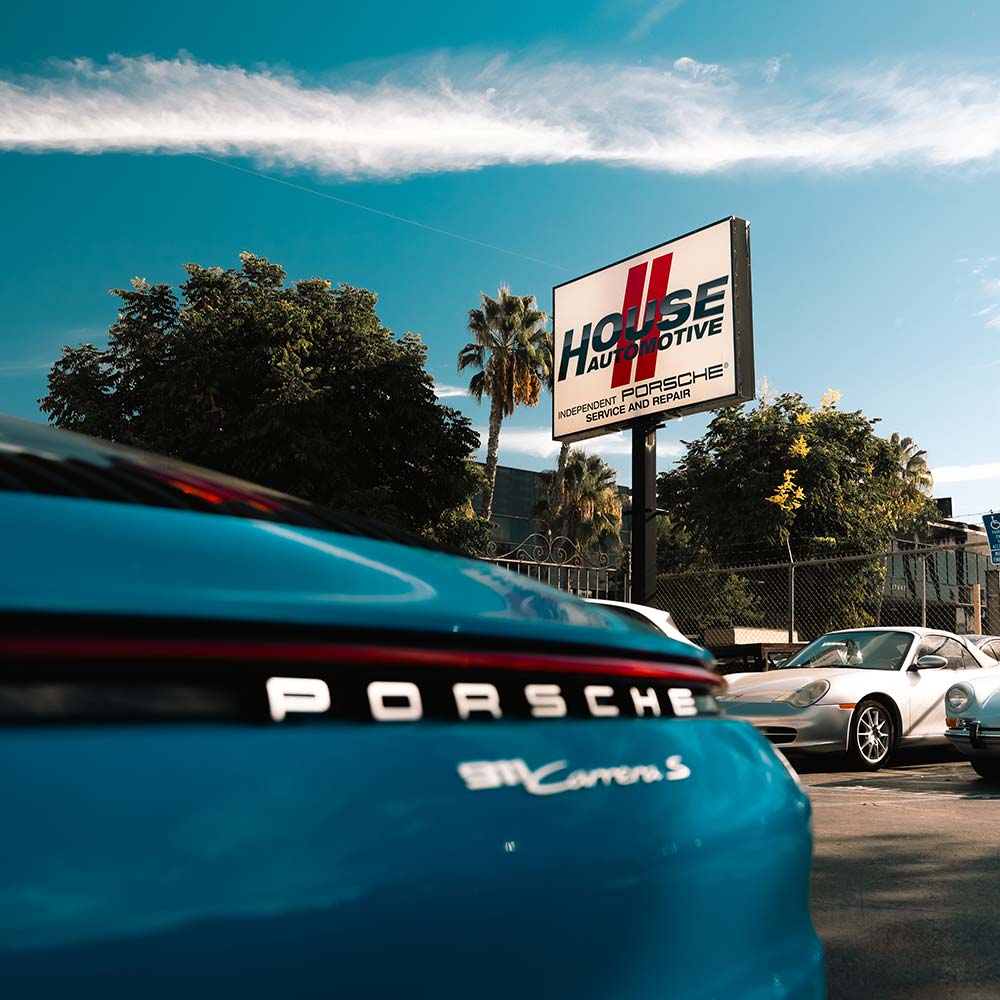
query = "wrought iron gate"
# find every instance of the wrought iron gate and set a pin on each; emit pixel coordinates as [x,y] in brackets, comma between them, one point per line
[561,563]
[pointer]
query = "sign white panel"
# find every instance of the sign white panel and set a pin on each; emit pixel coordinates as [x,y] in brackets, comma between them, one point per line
[666,332]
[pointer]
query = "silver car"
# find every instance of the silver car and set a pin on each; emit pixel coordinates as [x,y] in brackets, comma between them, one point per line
[866,691]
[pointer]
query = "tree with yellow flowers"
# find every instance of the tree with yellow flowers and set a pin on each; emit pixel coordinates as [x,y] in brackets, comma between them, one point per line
[817,475]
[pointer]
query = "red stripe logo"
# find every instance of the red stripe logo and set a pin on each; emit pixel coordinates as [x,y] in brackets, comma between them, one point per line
[638,304]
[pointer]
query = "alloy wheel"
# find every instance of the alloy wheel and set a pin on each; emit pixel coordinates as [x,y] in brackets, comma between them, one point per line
[874,734]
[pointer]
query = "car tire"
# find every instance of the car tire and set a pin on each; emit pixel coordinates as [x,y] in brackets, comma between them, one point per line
[986,768]
[872,735]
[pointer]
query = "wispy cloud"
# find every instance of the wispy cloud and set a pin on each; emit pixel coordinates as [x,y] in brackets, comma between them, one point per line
[525,442]
[449,391]
[538,442]
[987,283]
[26,367]
[42,359]
[966,473]
[463,113]
[654,13]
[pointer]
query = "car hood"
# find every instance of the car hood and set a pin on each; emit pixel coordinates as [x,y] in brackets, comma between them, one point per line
[769,685]
[989,698]
[89,557]
[985,685]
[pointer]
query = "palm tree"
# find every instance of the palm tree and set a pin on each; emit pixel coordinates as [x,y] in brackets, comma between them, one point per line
[913,467]
[563,456]
[511,354]
[584,504]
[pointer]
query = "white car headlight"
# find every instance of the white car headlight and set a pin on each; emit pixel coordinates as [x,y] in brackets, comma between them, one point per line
[806,696]
[958,698]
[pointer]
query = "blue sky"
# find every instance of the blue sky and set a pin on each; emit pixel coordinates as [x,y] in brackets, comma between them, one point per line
[861,140]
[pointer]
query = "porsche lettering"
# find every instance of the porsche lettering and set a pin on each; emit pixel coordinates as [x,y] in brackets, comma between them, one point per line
[405,701]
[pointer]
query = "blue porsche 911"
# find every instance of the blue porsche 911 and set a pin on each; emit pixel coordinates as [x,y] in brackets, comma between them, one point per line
[253,748]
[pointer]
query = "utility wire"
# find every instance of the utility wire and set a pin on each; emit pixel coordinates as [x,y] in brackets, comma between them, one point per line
[963,517]
[378,211]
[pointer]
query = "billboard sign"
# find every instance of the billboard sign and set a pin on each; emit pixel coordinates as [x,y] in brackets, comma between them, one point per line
[664,333]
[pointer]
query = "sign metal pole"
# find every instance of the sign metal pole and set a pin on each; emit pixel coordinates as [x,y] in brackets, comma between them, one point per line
[644,513]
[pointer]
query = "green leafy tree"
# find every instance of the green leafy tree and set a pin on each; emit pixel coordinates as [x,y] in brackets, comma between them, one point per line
[298,387]
[460,528]
[690,583]
[583,504]
[784,475]
[511,355]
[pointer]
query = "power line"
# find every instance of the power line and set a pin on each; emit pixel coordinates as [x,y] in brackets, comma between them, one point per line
[378,211]
[962,517]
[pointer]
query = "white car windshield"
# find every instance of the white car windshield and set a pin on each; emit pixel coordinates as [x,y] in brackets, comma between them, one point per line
[869,650]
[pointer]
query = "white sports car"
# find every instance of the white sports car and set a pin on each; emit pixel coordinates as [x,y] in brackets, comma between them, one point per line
[865,691]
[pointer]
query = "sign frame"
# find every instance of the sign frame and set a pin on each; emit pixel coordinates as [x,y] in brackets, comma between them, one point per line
[742,332]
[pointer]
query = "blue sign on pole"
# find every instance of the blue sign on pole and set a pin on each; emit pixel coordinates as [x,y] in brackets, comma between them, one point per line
[991,522]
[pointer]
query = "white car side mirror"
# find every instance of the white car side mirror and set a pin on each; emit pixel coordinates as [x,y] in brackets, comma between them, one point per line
[929,662]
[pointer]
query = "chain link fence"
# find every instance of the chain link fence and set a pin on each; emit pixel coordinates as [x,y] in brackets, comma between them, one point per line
[950,587]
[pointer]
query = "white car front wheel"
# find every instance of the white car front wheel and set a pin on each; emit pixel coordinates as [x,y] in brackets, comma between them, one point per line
[873,735]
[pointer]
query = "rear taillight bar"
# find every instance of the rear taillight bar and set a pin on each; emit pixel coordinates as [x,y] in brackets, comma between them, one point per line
[91,648]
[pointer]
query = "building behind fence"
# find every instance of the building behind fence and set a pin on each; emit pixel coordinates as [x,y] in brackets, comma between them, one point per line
[514,498]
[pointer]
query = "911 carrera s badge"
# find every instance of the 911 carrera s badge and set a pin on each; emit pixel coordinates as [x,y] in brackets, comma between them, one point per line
[549,779]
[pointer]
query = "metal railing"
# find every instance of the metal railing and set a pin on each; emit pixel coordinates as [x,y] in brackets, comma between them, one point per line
[561,563]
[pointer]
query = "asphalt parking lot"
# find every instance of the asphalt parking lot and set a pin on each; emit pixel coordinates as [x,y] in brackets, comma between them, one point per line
[906,878]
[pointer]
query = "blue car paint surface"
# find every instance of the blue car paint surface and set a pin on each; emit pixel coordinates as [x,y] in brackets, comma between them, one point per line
[353,859]
[90,557]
